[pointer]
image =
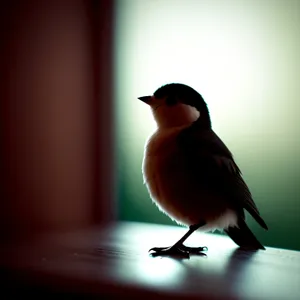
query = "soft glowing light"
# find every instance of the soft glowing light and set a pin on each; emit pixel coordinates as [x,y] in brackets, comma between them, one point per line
[243,57]
[225,50]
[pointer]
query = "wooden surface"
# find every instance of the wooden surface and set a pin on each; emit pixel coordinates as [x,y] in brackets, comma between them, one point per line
[115,262]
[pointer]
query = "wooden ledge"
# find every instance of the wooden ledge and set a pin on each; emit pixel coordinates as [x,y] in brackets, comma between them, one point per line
[114,261]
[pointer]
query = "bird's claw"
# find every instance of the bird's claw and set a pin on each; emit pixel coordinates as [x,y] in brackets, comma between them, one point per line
[180,251]
[194,250]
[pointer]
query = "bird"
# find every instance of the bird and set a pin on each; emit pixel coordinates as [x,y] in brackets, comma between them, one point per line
[191,175]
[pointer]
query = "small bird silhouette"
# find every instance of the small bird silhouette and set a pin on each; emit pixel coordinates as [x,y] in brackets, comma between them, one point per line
[191,175]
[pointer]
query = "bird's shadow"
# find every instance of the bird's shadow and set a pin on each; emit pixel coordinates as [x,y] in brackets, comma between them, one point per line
[239,260]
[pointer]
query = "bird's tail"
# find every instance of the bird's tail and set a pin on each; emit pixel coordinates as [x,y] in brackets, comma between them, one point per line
[244,237]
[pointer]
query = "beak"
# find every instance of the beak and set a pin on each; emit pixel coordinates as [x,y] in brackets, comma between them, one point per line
[145,99]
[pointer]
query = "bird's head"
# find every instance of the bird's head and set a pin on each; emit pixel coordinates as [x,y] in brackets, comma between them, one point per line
[177,104]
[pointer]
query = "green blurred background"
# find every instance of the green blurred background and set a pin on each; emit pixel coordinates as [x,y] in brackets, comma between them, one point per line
[243,56]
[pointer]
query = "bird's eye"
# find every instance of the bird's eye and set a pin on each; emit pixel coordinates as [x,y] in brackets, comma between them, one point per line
[171,100]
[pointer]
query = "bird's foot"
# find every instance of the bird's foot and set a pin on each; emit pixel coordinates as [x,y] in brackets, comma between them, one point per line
[180,251]
[194,250]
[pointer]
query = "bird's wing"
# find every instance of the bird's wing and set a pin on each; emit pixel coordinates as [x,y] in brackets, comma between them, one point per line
[209,157]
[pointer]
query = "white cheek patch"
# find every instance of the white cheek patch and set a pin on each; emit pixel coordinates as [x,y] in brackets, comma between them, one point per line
[191,112]
[173,116]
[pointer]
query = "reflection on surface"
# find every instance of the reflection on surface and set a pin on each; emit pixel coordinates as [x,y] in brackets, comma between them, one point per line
[246,274]
[141,237]
[225,266]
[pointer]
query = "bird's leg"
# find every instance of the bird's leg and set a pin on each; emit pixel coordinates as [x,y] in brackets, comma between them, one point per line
[178,249]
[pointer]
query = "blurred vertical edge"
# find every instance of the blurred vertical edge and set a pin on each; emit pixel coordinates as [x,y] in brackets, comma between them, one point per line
[103,49]
[56,116]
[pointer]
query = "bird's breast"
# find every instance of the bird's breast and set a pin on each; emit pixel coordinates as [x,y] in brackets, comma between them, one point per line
[174,185]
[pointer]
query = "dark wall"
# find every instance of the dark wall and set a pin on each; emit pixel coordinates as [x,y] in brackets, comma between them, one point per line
[53,99]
